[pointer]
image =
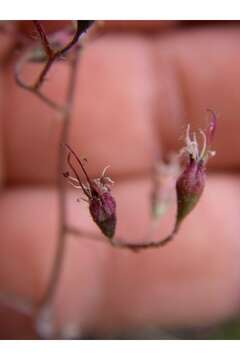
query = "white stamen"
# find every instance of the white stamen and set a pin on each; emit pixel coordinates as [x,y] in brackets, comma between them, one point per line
[108,180]
[204,148]
[191,145]
[188,139]
[78,199]
[195,148]
[104,170]
[73,179]
[75,186]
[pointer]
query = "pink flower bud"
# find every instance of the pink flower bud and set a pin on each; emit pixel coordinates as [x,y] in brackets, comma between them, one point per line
[103,211]
[102,205]
[191,182]
[189,187]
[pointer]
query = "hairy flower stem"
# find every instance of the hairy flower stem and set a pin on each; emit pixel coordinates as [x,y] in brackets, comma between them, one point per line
[149,245]
[52,57]
[57,265]
[120,243]
[44,39]
[42,310]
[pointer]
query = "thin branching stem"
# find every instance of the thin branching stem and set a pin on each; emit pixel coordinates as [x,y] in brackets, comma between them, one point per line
[122,243]
[53,105]
[62,194]
[20,304]
[44,39]
[52,57]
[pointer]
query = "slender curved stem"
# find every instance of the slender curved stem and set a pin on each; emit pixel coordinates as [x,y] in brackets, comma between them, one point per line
[43,306]
[148,245]
[31,89]
[121,243]
[57,265]
[51,58]
[44,38]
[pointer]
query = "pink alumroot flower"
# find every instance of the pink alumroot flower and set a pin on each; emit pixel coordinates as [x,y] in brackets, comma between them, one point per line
[191,182]
[102,205]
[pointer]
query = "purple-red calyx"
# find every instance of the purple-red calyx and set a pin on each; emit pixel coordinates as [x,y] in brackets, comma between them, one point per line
[191,182]
[102,205]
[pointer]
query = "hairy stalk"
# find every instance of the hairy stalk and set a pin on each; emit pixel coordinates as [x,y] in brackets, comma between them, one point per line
[122,243]
[24,305]
[58,54]
[32,90]
[44,39]
[55,273]
[52,57]
[149,245]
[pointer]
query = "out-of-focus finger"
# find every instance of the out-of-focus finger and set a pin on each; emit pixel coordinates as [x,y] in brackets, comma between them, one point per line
[104,289]
[196,70]
[125,85]
[113,104]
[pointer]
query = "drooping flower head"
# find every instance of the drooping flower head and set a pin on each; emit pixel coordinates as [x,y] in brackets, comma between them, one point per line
[191,182]
[102,205]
